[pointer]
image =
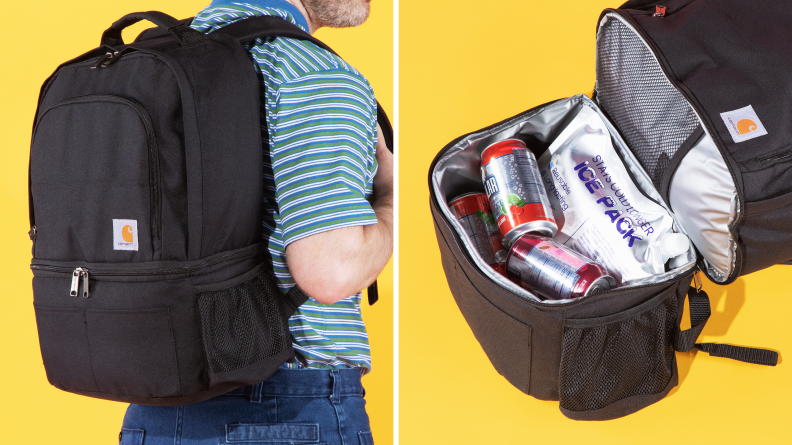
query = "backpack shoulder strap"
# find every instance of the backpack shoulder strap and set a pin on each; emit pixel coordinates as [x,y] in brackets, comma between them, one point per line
[264,26]
[258,27]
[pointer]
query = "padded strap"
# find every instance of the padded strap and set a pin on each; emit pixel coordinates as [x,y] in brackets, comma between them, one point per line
[186,35]
[264,26]
[700,312]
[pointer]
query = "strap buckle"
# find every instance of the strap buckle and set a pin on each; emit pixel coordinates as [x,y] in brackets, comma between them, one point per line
[697,281]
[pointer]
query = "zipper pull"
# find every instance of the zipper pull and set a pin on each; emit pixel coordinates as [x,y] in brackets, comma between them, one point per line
[102,60]
[32,233]
[659,11]
[84,274]
[111,60]
[75,287]
[697,280]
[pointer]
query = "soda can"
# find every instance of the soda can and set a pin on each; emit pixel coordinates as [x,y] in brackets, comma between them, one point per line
[473,212]
[516,192]
[553,271]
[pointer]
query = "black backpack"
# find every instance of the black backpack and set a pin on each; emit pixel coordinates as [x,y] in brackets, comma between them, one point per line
[673,80]
[150,282]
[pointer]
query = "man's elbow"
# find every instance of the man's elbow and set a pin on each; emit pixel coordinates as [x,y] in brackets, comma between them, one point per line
[328,290]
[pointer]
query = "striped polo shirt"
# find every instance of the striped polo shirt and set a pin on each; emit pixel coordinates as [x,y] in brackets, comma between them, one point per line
[319,128]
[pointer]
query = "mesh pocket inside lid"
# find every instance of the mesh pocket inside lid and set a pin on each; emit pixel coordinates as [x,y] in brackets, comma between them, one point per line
[651,114]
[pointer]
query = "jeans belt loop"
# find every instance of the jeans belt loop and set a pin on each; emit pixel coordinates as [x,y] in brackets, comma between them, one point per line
[255,392]
[336,396]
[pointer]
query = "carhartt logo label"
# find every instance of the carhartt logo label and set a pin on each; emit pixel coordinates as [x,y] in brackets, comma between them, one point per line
[746,126]
[743,124]
[125,234]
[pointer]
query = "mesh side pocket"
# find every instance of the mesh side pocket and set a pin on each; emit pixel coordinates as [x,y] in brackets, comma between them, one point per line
[651,114]
[243,321]
[603,364]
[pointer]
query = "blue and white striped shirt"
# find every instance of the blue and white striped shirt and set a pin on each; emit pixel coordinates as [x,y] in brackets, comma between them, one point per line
[319,128]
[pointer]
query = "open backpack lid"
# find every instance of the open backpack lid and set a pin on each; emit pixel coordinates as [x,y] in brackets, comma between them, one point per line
[701,92]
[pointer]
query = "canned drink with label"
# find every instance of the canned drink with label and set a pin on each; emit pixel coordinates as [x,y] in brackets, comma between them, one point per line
[516,192]
[473,212]
[553,271]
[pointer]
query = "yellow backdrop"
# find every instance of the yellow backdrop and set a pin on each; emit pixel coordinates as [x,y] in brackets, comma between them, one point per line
[35,38]
[464,65]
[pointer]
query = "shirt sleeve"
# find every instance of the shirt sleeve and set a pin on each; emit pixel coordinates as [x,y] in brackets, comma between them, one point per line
[322,142]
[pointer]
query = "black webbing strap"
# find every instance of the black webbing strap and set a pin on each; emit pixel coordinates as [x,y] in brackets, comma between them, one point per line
[685,341]
[749,355]
[699,314]
[261,27]
[295,298]
[373,294]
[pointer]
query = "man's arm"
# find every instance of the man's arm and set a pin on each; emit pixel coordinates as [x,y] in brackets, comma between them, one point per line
[335,264]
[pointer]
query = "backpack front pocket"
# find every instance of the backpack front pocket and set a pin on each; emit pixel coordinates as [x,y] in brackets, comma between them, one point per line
[120,352]
[95,181]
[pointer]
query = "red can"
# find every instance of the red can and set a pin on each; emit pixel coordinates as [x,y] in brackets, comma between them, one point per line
[516,192]
[554,271]
[473,212]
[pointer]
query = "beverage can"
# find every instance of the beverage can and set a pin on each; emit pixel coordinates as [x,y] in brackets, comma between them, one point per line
[473,212]
[515,190]
[553,271]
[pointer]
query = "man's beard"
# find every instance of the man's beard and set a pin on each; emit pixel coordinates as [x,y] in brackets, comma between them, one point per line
[337,13]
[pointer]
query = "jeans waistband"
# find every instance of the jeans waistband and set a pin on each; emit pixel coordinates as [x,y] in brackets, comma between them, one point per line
[306,382]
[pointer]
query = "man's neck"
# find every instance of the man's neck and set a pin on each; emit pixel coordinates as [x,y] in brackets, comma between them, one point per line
[312,27]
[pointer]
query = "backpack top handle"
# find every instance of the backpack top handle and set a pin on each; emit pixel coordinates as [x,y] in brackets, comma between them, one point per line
[186,35]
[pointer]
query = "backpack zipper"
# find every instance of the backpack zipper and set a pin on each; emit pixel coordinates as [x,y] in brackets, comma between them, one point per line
[75,284]
[82,272]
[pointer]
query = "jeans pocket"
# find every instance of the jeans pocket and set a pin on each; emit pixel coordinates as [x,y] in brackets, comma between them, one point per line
[129,436]
[366,438]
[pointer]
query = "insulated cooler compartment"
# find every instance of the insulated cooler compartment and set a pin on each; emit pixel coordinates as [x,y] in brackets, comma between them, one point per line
[602,356]
[127,342]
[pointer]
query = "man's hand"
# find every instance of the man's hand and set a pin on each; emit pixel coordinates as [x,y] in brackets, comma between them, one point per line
[333,265]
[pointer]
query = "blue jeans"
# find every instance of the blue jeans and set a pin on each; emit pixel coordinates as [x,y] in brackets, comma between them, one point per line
[294,406]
